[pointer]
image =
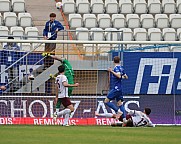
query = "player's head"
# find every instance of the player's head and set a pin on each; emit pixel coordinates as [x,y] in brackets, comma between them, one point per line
[61,68]
[10,43]
[147,111]
[116,59]
[52,16]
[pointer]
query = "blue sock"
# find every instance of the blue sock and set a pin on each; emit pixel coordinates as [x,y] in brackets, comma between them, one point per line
[123,110]
[111,105]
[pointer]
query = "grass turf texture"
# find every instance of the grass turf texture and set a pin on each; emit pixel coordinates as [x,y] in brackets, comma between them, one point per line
[22,134]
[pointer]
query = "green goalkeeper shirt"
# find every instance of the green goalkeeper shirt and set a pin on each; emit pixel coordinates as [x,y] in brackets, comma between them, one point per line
[69,73]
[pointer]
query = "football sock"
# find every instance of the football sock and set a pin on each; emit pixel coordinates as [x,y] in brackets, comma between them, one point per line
[113,106]
[57,110]
[123,110]
[109,115]
[63,112]
[66,119]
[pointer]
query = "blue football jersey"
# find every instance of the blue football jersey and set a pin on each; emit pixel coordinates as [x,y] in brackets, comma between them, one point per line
[115,80]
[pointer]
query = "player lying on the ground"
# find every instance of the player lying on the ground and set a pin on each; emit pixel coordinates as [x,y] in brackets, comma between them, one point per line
[133,118]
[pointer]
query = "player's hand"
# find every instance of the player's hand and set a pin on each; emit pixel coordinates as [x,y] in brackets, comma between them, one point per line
[45,38]
[109,69]
[3,88]
[56,30]
[76,84]
[55,101]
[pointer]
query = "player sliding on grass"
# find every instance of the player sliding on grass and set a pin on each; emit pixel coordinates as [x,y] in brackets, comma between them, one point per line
[115,93]
[62,95]
[133,118]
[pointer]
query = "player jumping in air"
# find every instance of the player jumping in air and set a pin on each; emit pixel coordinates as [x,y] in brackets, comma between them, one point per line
[115,93]
[69,73]
[62,95]
[133,118]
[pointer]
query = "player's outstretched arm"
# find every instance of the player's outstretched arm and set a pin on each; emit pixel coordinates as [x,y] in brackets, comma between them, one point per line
[70,85]
[56,58]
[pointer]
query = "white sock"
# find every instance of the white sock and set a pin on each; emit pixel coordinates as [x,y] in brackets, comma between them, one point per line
[124,120]
[109,115]
[57,110]
[63,112]
[66,119]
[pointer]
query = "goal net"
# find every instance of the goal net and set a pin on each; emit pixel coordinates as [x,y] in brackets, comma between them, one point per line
[153,71]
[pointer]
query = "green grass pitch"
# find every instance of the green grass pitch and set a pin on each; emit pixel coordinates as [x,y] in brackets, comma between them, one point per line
[23,134]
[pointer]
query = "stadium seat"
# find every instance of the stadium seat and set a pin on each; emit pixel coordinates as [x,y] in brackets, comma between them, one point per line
[154,6]
[4,32]
[18,6]
[17,32]
[83,6]
[89,20]
[111,6]
[133,20]
[140,6]
[104,20]
[31,33]
[154,34]
[126,35]
[161,21]
[175,20]
[125,6]
[97,6]
[68,6]
[5,6]
[147,21]
[112,34]
[26,47]
[90,49]
[178,6]
[75,20]
[82,34]
[176,48]
[140,34]
[97,34]
[169,6]
[10,19]
[1,20]
[25,19]
[118,21]
[169,34]
[104,49]
[179,34]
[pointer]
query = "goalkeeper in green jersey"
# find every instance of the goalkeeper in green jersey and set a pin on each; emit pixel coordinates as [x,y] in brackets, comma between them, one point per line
[69,73]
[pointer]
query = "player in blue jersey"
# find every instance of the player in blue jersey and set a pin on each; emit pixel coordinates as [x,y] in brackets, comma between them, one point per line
[115,93]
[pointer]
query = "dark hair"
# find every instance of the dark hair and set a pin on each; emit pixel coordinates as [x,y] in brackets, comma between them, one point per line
[116,59]
[129,123]
[147,111]
[10,37]
[61,68]
[52,15]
